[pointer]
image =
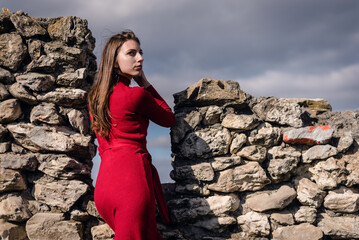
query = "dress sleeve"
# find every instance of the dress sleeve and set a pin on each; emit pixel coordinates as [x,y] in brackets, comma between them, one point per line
[152,105]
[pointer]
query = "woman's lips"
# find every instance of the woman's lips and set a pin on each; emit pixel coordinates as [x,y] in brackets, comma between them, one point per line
[138,67]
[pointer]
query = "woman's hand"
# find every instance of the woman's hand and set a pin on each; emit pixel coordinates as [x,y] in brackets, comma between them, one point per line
[141,80]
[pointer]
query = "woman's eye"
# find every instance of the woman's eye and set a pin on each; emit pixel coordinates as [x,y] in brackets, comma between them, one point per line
[132,53]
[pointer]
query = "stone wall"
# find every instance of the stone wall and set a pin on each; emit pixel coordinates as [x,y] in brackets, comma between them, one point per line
[261,168]
[46,148]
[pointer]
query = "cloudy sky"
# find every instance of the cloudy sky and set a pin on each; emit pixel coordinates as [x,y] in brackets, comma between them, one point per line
[282,48]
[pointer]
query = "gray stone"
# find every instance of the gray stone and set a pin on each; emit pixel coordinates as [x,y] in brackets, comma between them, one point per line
[352,166]
[3,132]
[240,122]
[212,115]
[279,110]
[10,110]
[254,153]
[79,121]
[4,94]
[265,135]
[328,174]
[247,177]
[201,172]
[36,81]
[211,91]
[185,122]
[339,227]
[254,224]
[72,79]
[206,143]
[216,224]
[62,166]
[302,231]
[343,200]
[17,149]
[268,200]
[78,215]
[314,106]
[6,76]
[5,22]
[12,51]
[221,163]
[14,208]
[11,231]
[223,204]
[319,152]
[72,30]
[102,232]
[53,226]
[42,64]
[309,135]
[45,138]
[4,147]
[282,162]
[91,209]
[46,113]
[35,48]
[345,142]
[309,194]
[64,55]
[21,93]
[306,214]
[11,180]
[59,193]
[238,141]
[18,161]
[282,218]
[67,97]
[27,26]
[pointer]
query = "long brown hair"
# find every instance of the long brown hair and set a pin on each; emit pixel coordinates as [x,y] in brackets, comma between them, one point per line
[106,79]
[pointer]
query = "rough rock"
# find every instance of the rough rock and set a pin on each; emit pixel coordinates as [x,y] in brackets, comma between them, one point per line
[254,224]
[211,91]
[221,163]
[240,122]
[305,214]
[185,122]
[102,232]
[12,51]
[62,166]
[339,227]
[4,147]
[223,204]
[78,215]
[206,143]
[72,30]
[14,208]
[328,174]
[6,76]
[282,162]
[35,48]
[27,26]
[46,113]
[282,218]
[67,97]
[247,177]
[201,172]
[5,22]
[79,121]
[11,231]
[343,200]
[4,94]
[64,55]
[37,82]
[302,231]
[18,161]
[193,189]
[279,110]
[254,153]
[238,141]
[10,110]
[59,193]
[309,135]
[345,142]
[352,166]
[315,106]
[72,79]
[265,135]
[309,194]
[216,224]
[212,115]
[53,226]
[20,92]
[44,63]
[11,180]
[45,138]
[268,200]
[319,152]
[91,209]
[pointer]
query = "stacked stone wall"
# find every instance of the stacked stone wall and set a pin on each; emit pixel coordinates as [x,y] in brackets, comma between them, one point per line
[261,168]
[46,147]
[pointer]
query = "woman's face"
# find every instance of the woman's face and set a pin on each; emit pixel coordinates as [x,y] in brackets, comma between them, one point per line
[129,59]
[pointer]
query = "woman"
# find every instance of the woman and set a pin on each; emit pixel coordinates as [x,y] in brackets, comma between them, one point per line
[127,184]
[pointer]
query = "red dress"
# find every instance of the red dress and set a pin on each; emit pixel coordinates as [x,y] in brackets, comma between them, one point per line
[128,184]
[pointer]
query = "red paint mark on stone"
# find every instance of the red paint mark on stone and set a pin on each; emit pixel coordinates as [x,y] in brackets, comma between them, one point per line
[324,128]
[310,129]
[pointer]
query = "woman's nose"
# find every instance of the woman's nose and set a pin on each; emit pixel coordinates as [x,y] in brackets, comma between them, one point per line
[139,57]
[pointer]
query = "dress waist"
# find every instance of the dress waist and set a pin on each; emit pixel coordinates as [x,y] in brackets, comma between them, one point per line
[119,142]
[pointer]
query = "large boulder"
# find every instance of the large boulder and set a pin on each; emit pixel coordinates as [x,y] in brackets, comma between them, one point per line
[27,26]
[344,227]
[10,110]
[14,207]
[12,51]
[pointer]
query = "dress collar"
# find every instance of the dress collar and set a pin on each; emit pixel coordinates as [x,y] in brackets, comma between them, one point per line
[124,80]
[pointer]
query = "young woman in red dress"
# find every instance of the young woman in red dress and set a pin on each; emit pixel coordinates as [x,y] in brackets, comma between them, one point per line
[127,185]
